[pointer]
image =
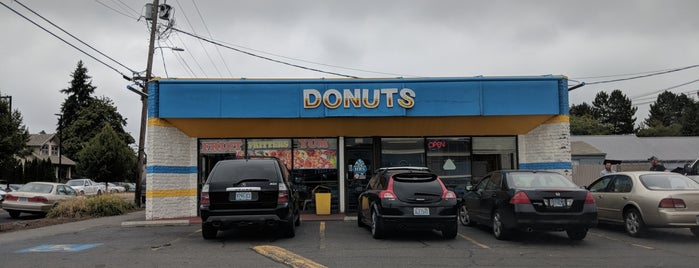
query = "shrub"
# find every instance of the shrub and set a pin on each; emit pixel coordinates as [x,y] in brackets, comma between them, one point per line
[98,206]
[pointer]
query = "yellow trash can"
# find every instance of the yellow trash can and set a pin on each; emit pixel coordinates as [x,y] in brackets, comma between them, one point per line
[322,203]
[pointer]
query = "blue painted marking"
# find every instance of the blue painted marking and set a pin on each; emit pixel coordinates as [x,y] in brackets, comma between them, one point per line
[59,248]
[172,169]
[543,166]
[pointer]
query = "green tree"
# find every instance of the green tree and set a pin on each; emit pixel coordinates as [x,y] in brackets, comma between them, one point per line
[106,157]
[690,120]
[586,125]
[582,109]
[90,120]
[79,97]
[657,129]
[13,140]
[600,107]
[668,108]
[620,116]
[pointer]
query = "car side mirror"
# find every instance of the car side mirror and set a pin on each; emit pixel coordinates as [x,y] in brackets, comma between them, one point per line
[469,187]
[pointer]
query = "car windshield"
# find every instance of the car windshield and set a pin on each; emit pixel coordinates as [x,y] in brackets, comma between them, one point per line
[237,171]
[668,181]
[75,183]
[538,180]
[36,188]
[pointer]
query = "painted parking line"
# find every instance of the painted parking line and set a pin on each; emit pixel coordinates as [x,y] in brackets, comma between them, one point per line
[286,257]
[622,241]
[474,241]
[322,235]
[59,248]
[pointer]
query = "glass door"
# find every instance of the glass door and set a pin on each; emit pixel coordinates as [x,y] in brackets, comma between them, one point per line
[359,160]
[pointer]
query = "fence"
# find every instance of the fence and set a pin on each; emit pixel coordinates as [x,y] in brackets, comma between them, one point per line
[583,175]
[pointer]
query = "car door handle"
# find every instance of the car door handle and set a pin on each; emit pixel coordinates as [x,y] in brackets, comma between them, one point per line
[625,198]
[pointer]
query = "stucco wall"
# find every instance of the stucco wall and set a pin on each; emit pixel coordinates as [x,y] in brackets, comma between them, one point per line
[547,147]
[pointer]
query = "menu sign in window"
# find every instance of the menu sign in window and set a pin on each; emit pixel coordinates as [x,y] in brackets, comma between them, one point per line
[226,146]
[315,153]
[279,148]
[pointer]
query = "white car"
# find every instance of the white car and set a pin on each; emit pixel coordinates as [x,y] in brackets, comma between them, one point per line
[86,187]
[113,188]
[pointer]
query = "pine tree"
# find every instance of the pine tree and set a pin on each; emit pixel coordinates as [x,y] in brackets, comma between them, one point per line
[13,139]
[106,157]
[621,114]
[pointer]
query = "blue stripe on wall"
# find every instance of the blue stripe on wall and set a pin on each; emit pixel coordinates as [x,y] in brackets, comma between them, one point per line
[172,169]
[547,165]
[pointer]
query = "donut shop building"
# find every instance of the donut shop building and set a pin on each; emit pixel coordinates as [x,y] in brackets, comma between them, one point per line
[334,133]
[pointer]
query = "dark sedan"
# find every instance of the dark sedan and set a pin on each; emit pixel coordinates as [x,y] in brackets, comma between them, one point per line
[519,200]
[407,198]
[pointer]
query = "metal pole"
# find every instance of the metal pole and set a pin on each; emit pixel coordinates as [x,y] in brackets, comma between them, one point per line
[60,144]
[144,108]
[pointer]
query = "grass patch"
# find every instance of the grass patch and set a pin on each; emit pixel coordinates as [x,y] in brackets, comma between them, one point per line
[98,206]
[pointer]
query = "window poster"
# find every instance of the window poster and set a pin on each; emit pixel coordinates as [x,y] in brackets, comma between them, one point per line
[279,148]
[315,153]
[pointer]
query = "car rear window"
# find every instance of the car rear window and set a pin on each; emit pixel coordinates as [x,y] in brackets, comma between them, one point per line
[538,180]
[669,181]
[36,188]
[234,171]
[409,184]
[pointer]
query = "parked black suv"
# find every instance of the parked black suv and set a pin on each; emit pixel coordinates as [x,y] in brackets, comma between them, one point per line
[244,193]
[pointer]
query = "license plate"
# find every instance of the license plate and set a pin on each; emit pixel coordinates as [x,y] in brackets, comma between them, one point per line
[22,199]
[243,196]
[421,211]
[558,202]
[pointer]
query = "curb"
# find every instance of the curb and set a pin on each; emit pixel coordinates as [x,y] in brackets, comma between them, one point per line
[155,223]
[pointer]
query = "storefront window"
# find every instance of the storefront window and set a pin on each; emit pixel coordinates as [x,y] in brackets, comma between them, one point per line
[315,153]
[402,152]
[493,153]
[450,158]
[279,148]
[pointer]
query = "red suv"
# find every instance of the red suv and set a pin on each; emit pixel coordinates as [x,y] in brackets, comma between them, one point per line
[401,198]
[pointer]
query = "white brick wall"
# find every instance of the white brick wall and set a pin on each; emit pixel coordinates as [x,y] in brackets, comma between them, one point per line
[548,143]
[170,195]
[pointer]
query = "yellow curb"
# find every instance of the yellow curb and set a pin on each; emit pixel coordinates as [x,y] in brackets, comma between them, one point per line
[287,257]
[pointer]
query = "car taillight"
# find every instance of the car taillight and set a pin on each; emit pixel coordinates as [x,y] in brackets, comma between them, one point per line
[520,198]
[387,194]
[10,197]
[672,203]
[283,197]
[589,199]
[449,195]
[205,195]
[39,199]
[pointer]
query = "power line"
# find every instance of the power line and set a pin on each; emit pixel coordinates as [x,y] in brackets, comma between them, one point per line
[200,41]
[186,49]
[73,36]
[617,75]
[117,11]
[212,37]
[64,41]
[648,95]
[262,57]
[643,76]
[128,7]
[181,60]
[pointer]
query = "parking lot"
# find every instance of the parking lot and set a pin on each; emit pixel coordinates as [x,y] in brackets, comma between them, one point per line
[105,243]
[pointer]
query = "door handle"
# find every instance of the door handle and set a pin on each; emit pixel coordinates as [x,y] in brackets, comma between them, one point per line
[625,198]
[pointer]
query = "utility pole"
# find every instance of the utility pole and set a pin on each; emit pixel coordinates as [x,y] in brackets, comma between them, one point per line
[60,143]
[144,108]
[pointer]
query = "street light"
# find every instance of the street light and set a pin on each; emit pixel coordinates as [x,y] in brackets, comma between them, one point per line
[163,56]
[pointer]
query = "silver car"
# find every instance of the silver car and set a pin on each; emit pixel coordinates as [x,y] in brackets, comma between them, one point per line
[36,198]
[644,199]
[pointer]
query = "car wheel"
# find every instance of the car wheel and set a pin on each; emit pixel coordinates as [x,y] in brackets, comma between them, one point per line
[14,214]
[208,231]
[360,219]
[82,193]
[377,230]
[577,233]
[634,223]
[464,218]
[450,231]
[289,229]
[298,220]
[695,231]
[99,192]
[499,228]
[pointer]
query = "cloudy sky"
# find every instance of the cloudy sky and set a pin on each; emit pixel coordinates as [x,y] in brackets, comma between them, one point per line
[588,41]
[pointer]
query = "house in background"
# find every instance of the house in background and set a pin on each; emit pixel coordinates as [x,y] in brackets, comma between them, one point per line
[46,146]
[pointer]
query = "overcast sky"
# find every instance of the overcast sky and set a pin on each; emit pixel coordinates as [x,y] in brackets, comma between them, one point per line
[584,40]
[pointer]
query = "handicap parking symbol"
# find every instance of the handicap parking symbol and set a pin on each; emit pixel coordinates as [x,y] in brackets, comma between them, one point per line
[60,248]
